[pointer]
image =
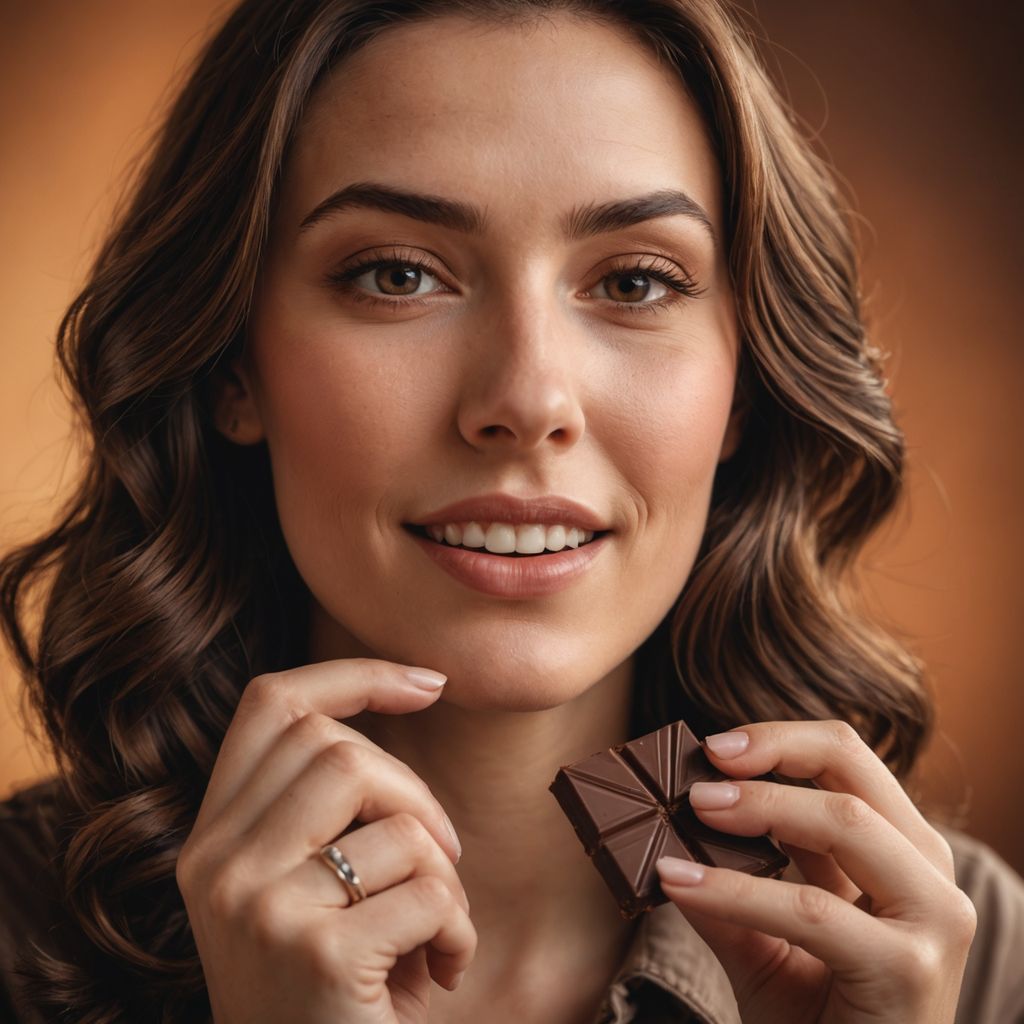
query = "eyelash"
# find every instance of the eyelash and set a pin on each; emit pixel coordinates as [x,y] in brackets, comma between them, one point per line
[684,286]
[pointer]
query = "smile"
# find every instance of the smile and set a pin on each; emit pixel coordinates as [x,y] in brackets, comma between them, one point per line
[511,574]
[522,540]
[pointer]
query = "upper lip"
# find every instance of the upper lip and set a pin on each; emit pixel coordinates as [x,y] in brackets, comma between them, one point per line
[504,508]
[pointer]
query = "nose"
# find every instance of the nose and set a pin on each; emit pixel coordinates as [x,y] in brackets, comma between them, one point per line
[522,383]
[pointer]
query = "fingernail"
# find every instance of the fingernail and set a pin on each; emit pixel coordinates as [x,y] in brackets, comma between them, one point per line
[679,872]
[425,678]
[456,981]
[455,838]
[727,744]
[713,796]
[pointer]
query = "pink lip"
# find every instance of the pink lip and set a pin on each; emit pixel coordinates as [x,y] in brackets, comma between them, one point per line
[504,508]
[500,576]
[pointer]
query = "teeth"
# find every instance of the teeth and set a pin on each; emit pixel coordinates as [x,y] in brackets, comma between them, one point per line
[500,538]
[504,538]
[472,535]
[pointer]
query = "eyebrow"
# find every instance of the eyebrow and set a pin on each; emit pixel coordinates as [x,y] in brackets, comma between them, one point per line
[581,221]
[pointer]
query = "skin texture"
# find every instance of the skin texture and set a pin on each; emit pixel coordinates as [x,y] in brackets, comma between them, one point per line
[519,370]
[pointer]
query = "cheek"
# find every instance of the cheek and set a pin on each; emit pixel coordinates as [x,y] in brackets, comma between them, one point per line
[669,440]
[344,426]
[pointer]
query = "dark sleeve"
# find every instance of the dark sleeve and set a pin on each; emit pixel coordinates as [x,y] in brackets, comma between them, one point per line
[993,986]
[27,890]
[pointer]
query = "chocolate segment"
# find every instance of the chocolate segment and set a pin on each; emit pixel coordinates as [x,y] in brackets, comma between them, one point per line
[630,806]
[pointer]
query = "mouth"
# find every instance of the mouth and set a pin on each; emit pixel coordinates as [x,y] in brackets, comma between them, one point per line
[507,540]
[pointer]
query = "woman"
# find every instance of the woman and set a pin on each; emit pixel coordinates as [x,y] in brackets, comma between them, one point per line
[408,291]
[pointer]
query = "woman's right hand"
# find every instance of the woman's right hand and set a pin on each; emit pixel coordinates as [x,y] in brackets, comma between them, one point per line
[275,934]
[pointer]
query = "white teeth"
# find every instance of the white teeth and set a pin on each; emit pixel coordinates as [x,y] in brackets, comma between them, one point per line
[504,538]
[500,539]
[531,540]
[555,539]
[473,536]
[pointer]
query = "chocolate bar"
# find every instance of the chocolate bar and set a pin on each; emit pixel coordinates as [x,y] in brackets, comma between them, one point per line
[630,806]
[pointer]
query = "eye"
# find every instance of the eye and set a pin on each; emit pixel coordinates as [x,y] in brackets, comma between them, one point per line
[396,278]
[632,287]
[627,286]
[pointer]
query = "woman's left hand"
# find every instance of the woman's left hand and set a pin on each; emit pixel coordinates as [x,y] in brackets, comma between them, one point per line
[880,932]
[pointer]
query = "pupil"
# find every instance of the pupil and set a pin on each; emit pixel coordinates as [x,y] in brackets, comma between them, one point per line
[397,277]
[635,285]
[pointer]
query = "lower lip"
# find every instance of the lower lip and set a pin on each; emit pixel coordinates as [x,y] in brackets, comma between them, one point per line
[498,576]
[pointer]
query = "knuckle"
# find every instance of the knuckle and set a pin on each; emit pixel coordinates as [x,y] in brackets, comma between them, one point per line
[410,832]
[943,855]
[744,888]
[963,919]
[849,812]
[813,906]
[343,757]
[269,694]
[771,734]
[432,892]
[187,867]
[266,916]
[844,736]
[918,965]
[225,894]
[311,727]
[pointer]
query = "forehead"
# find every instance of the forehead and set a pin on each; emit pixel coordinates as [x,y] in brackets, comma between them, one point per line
[524,119]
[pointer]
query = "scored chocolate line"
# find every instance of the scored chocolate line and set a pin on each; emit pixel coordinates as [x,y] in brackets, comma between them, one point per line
[650,804]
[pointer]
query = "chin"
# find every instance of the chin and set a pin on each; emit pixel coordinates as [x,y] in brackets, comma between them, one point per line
[483,692]
[532,672]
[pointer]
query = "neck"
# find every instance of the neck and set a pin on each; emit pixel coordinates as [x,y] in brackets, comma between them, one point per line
[538,907]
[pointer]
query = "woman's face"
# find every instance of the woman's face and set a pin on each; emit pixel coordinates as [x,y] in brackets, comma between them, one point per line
[528,356]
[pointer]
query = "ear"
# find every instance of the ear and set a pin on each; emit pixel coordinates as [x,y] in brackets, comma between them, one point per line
[236,413]
[737,422]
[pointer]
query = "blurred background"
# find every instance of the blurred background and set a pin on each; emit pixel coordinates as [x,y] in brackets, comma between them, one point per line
[918,105]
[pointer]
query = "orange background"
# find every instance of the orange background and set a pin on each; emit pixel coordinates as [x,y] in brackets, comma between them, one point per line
[916,105]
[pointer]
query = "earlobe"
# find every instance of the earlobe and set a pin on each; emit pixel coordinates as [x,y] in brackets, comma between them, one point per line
[236,413]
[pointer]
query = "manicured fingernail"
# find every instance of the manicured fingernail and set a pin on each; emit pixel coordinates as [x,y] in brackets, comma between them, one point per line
[727,744]
[455,838]
[456,981]
[425,678]
[679,872]
[713,796]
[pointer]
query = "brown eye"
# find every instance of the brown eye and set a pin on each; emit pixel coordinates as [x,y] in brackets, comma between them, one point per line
[397,279]
[631,287]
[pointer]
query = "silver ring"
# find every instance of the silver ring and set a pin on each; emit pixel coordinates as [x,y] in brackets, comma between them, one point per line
[335,860]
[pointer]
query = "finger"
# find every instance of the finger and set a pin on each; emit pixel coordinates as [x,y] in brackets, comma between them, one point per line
[750,957]
[833,755]
[820,869]
[403,917]
[344,782]
[382,854]
[874,854]
[339,689]
[829,928]
[289,756]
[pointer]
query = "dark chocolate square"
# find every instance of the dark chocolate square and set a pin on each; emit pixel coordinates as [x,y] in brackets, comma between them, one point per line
[630,806]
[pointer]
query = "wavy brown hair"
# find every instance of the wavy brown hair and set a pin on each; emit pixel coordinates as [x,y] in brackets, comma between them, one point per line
[166,584]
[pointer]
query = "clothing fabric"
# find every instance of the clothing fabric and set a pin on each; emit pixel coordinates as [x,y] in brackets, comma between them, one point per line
[668,976]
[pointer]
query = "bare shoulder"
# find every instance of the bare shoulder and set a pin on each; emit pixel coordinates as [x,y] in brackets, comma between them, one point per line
[993,988]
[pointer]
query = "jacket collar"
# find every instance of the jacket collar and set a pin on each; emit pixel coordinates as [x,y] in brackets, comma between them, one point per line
[667,954]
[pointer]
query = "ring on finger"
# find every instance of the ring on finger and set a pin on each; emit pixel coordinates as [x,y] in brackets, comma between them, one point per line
[338,863]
